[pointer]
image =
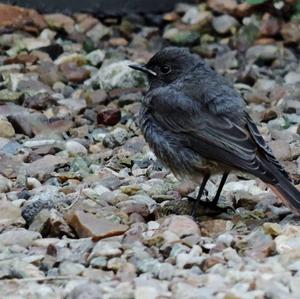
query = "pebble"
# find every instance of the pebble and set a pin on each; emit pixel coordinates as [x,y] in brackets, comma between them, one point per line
[75,148]
[10,214]
[6,129]
[109,117]
[21,237]
[95,57]
[119,75]
[223,24]
[89,225]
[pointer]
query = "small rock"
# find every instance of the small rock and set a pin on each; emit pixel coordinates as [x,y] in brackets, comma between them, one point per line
[288,240]
[10,96]
[181,37]
[21,237]
[44,166]
[266,53]
[281,149]
[98,32]
[180,225]
[75,148]
[6,129]
[257,245]
[5,184]
[10,214]
[292,78]
[33,183]
[96,97]
[74,73]
[227,6]
[269,26]
[273,229]
[216,227]
[106,248]
[21,59]
[67,268]
[119,75]
[224,24]
[60,21]
[116,138]
[89,225]
[95,57]
[109,116]
[291,31]
[194,16]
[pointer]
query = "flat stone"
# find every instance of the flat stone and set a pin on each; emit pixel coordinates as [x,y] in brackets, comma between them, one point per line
[74,73]
[44,166]
[10,214]
[180,225]
[21,237]
[89,225]
[215,227]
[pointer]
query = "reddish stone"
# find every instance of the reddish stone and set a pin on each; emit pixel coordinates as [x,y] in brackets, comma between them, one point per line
[269,26]
[74,73]
[20,18]
[21,59]
[109,116]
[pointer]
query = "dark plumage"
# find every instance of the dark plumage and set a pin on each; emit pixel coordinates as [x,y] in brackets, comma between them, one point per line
[196,124]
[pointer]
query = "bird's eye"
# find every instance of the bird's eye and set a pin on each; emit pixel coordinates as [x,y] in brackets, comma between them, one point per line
[165,69]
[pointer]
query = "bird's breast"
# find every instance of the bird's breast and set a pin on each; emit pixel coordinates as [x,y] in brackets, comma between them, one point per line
[170,149]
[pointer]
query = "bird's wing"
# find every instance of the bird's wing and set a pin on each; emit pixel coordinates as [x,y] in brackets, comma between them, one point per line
[215,137]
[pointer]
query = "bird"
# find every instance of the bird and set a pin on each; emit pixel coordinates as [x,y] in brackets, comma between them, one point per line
[196,123]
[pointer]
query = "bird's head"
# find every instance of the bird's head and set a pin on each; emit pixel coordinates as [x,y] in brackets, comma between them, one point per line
[168,65]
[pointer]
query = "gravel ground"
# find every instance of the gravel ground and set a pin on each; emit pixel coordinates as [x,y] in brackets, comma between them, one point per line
[86,210]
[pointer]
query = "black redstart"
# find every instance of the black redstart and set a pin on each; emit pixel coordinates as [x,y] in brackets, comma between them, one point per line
[196,124]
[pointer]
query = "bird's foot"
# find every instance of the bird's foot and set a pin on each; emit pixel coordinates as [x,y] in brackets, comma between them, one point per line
[210,205]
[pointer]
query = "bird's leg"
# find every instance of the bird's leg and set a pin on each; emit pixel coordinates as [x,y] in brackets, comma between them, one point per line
[210,204]
[198,199]
[222,183]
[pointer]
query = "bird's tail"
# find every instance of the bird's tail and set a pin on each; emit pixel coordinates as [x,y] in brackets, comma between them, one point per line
[287,193]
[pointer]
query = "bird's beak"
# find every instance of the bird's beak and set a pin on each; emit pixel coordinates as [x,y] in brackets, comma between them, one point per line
[143,69]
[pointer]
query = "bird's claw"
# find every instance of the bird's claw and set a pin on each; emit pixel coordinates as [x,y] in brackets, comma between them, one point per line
[209,205]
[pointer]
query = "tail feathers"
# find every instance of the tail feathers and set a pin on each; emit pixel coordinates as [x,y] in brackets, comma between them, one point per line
[288,194]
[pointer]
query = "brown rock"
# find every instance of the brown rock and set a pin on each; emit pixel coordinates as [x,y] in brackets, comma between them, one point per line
[215,227]
[109,116]
[171,16]
[96,97]
[21,59]
[89,225]
[265,41]
[291,31]
[269,26]
[118,41]
[269,114]
[86,22]
[243,9]
[19,18]
[10,165]
[180,225]
[60,21]
[210,262]
[222,6]
[74,73]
